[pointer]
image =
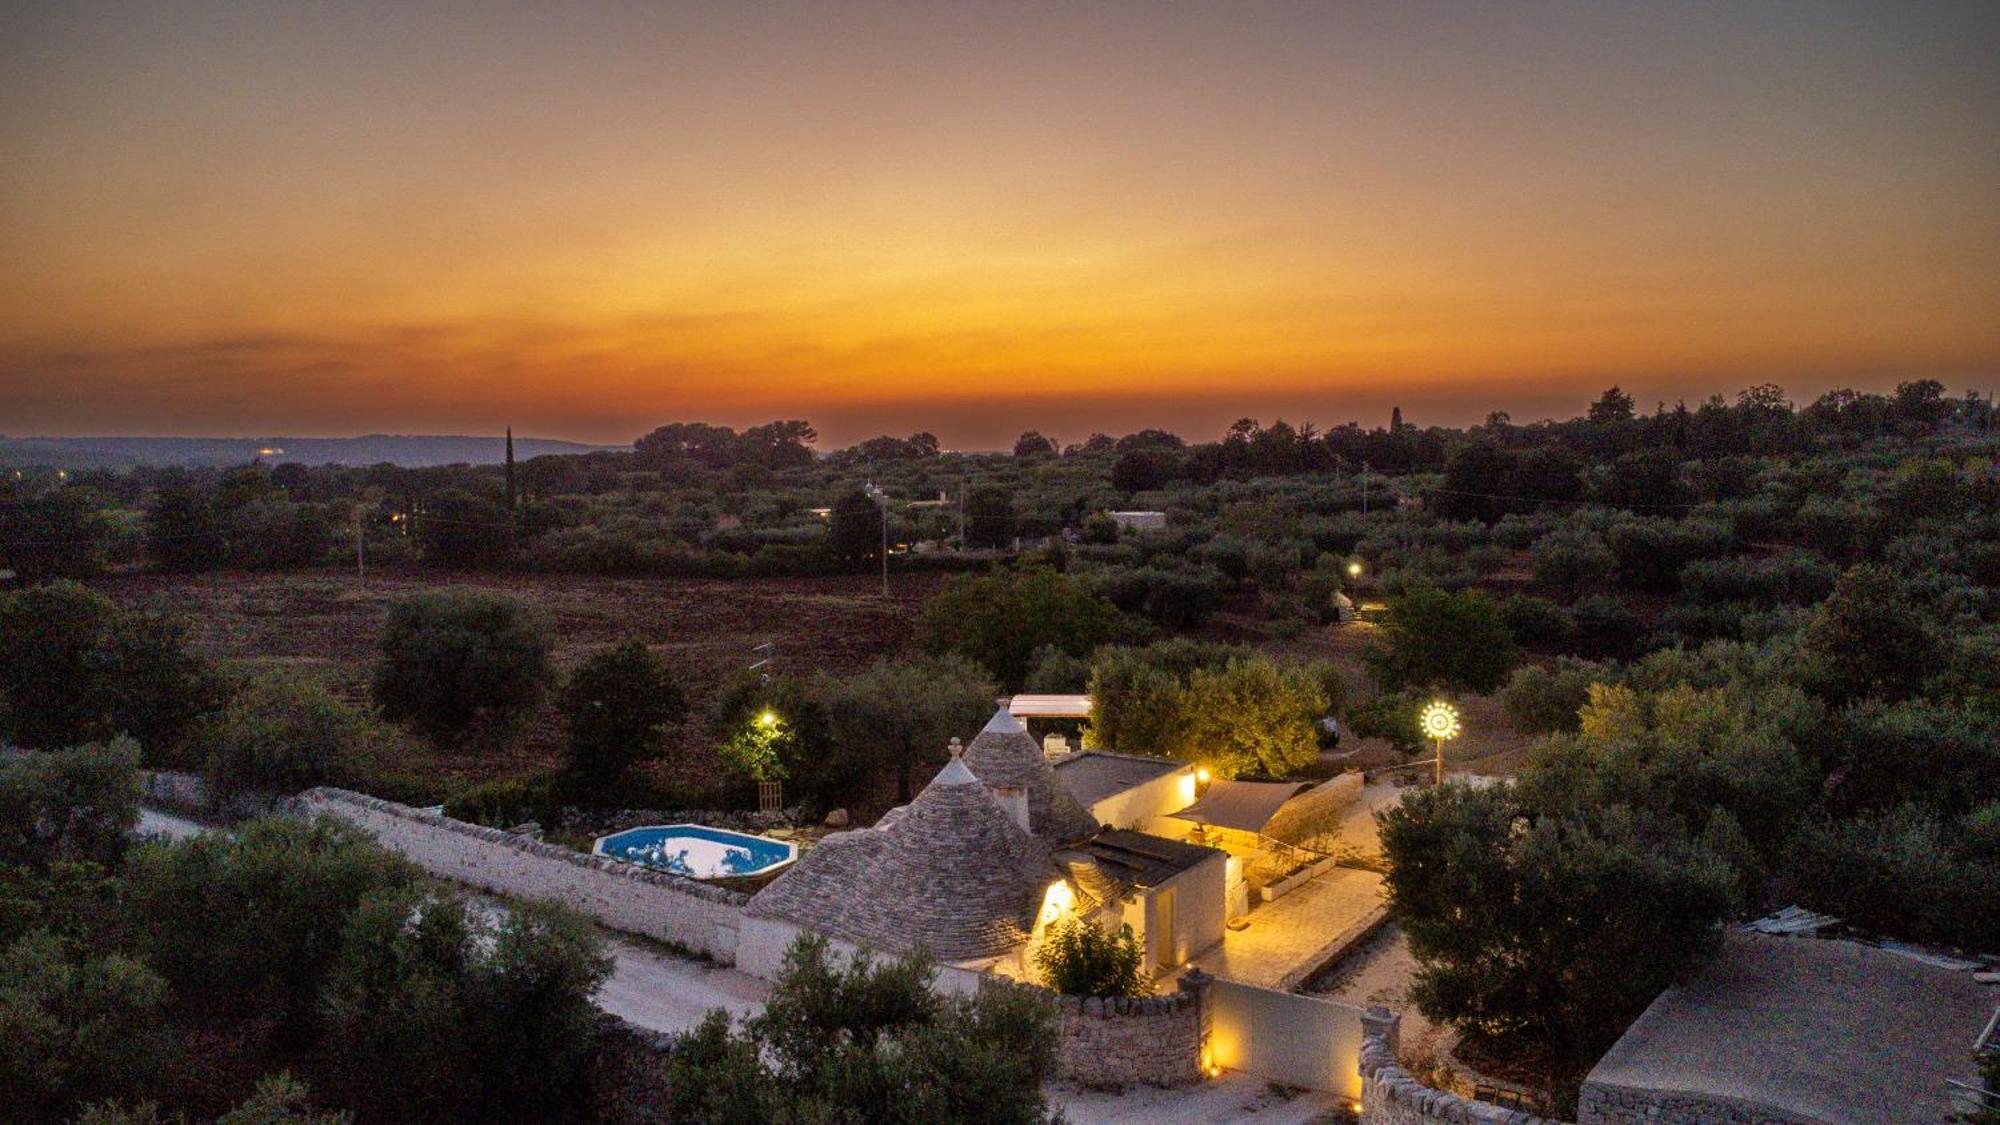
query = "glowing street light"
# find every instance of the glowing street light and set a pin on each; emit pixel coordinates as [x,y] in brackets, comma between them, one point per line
[1354,569]
[767,719]
[1439,721]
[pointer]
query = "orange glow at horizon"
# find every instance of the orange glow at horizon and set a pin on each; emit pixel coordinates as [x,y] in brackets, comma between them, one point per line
[326,222]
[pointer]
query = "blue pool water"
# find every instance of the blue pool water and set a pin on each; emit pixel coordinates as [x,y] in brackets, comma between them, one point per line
[697,851]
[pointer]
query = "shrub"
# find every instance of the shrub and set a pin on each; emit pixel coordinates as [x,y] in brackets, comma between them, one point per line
[1534,621]
[451,657]
[1078,957]
[76,1026]
[1002,619]
[75,667]
[1391,716]
[504,802]
[189,908]
[1907,873]
[1610,906]
[430,1011]
[69,806]
[616,706]
[869,1041]
[1570,560]
[1435,639]
[283,733]
[1541,700]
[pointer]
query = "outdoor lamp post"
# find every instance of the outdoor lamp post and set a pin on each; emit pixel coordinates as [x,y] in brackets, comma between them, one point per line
[1354,569]
[1440,723]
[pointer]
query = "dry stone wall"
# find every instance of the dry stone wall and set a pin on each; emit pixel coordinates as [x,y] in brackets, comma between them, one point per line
[631,899]
[1390,1095]
[1130,1040]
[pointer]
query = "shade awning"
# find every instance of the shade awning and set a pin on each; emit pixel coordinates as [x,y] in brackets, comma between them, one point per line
[1246,806]
[1049,707]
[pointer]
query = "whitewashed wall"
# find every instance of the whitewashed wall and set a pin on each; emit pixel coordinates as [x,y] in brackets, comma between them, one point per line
[1145,807]
[621,896]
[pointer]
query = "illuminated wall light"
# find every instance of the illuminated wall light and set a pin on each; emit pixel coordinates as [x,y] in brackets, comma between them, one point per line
[1057,901]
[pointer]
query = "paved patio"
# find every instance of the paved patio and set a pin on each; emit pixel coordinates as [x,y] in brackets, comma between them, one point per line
[1289,938]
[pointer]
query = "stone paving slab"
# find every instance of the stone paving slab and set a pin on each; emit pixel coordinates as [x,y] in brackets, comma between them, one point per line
[1299,933]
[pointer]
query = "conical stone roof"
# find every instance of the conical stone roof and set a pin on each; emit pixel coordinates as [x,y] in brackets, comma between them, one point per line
[953,874]
[1005,754]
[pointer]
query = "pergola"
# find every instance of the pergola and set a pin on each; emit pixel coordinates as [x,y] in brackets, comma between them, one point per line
[1244,806]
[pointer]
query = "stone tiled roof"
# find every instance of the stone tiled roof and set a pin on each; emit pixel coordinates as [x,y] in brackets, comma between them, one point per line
[1005,754]
[953,874]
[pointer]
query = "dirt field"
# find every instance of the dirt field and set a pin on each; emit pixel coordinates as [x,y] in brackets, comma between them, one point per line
[327,622]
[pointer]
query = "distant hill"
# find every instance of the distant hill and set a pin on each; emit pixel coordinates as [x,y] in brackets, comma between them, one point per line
[408,450]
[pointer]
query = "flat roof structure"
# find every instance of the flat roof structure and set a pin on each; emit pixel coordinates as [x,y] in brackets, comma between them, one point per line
[1139,860]
[1801,1029]
[1049,707]
[1096,774]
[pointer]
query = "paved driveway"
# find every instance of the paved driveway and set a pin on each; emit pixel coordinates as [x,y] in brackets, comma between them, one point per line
[665,992]
[1289,938]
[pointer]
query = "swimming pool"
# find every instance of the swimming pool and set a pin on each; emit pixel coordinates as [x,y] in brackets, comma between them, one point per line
[697,851]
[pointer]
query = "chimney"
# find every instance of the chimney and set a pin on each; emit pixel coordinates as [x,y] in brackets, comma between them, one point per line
[1014,799]
[1054,746]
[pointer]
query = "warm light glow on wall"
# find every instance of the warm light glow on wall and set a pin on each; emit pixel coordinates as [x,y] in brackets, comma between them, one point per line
[1057,901]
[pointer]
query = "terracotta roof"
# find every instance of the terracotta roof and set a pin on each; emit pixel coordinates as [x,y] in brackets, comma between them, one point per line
[953,874]
[1005,754]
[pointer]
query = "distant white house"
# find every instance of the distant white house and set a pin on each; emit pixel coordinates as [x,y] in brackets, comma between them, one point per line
[1139,521]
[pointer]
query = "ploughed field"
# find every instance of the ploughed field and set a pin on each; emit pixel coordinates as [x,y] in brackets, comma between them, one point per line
[327,623]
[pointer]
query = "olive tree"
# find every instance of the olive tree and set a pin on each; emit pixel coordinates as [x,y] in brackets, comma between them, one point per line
[449,658]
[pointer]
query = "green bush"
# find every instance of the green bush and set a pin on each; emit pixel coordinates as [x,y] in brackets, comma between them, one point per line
[76,667]
[504,802]
[1078,957]
[430,1011]
[1002,619]
[1554,931]
[1435,639]
[283,733]
[76,1026]
[69,806]
[868,1041]
[452,657]
[616,707]
[1546,700]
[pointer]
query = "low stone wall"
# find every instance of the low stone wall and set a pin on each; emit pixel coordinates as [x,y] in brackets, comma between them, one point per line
[622,896]
[1391,1096]
[190,793]
[1130,1040]
[1314,815]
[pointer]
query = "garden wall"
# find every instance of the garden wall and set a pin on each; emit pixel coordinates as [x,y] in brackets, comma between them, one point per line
[621,896]
[1289,1038]
[1130,1040]
[1391,1096]
[1309,818]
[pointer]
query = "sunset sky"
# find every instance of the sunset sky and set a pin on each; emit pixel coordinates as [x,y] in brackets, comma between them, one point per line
[977,219]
